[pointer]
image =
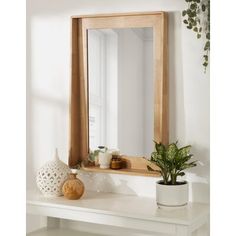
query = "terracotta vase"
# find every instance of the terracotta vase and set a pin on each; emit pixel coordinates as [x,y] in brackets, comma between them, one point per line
[73,188]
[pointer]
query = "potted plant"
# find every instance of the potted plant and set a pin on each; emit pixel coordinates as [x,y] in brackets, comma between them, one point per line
[172,162]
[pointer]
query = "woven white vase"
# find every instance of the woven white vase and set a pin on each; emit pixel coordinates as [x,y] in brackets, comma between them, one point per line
[51,177]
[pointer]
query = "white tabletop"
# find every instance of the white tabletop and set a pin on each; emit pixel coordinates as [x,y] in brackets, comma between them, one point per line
[123,205]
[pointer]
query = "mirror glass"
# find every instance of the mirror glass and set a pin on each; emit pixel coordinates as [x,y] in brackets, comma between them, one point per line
[121,90]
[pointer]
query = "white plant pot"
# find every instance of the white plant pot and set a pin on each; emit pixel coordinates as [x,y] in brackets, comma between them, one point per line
[171,195]
[104,160]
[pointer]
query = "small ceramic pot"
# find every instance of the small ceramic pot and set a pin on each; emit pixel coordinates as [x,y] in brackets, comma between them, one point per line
[104,160]
[172,195]
[73,188]
[116,163]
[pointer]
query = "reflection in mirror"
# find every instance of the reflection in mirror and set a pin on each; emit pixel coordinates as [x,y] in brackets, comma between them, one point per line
[121,94]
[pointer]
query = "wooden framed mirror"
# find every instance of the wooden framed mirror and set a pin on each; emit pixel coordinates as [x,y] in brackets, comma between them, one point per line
[90,34]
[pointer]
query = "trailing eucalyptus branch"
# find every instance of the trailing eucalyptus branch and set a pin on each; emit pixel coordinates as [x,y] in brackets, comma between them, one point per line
[197,18]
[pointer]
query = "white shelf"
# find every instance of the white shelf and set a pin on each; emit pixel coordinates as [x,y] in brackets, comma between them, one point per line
[59,232]
[131,212]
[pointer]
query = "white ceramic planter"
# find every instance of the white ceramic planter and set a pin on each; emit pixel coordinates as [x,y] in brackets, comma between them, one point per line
[171,195]
[104,160]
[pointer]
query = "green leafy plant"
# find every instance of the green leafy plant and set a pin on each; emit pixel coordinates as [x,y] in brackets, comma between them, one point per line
[172,161]
[197,18]
[93,154]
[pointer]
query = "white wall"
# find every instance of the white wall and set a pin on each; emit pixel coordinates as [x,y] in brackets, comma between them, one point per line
[48,89]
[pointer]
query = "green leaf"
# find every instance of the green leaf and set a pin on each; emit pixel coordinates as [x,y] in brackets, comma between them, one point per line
[195,29]
[189,26]
[172,150]
[191,20]
[160,148]
[203,7]
[184,13]
[207,46]
[198,36]
[200,29]
[208,36]
[184,151]
[188,12]
[181,174]
[191,164]
[162,165]
[188,165]
[155,156]
[185,22]
[193,14]
[205,64]
[193,6]
[205,57]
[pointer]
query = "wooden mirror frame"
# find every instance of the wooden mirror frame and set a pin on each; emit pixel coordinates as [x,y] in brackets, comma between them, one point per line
[79,127]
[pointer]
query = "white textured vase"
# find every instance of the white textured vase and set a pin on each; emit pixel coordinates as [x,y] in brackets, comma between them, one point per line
[171,196]
[104,159]
[51,177]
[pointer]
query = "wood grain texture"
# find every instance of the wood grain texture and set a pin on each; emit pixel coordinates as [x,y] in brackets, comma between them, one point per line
[119,14]
[161,89]
[125,171]
[79,146]
[131,165]
[79,96]
[138,21]
[138,163]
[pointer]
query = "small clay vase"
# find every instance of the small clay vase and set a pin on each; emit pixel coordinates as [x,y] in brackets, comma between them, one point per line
[73,188]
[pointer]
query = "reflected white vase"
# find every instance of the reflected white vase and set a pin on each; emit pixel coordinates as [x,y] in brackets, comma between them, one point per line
[104,160]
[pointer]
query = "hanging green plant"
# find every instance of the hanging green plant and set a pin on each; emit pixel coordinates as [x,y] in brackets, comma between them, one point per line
[197,18]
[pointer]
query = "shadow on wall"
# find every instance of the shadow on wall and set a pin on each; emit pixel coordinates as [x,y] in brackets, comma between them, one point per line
[199,176]
[45,114]
[202,155]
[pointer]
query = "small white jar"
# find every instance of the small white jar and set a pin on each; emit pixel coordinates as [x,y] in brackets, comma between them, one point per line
[104,159]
